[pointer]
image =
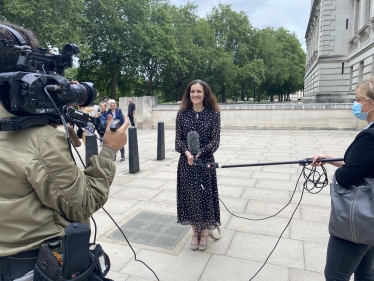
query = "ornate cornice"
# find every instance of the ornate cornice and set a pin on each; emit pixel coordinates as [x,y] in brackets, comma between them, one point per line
[315,8]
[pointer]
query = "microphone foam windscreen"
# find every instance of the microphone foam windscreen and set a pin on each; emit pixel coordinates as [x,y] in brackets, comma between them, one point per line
[193,142]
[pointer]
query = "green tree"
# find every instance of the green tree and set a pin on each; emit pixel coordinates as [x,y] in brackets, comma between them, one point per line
[224,73]
[158,43]
[113,38]
[194,47]
[235,36]
[295,59]
[276,72]
[246,73]
[181,69]
[54,22]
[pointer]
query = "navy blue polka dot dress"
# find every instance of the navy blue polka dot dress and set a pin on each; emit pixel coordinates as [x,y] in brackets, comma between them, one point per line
[197,192]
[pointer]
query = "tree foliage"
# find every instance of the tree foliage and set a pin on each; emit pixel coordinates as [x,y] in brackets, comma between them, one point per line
[53,22]
[150,47]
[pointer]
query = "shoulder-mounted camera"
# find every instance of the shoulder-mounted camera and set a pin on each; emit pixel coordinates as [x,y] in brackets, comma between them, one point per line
[37,92]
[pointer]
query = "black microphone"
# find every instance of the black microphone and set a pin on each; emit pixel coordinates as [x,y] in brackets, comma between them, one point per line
[193,143]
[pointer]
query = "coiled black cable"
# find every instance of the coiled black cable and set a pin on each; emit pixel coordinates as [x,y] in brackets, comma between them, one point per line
[317,179]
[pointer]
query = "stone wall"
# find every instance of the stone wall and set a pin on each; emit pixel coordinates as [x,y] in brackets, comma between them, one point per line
[143,107]
[282,116]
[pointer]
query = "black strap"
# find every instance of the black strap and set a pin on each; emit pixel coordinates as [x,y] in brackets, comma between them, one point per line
[21,41]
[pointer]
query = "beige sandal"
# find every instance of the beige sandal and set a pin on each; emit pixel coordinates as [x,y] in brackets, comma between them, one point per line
[203,247]
[194,247]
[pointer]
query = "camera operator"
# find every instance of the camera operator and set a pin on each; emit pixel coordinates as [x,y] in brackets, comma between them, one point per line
[42,190]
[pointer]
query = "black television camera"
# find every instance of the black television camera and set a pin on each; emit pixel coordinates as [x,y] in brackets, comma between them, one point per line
[38,93]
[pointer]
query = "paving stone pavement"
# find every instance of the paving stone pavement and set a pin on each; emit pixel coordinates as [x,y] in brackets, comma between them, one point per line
[252,192]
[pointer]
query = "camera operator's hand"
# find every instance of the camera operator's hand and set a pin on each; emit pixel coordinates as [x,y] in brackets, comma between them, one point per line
[73,137]
[118,138]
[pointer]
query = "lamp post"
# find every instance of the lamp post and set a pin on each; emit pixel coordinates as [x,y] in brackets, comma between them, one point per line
[211,76]
[254,88]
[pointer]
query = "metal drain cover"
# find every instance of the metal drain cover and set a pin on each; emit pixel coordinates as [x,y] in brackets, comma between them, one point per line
[152,229]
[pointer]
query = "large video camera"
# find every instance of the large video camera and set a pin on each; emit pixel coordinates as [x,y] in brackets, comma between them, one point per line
[38,93]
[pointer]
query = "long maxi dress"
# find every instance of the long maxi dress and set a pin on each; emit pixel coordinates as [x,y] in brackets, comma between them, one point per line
[197,192]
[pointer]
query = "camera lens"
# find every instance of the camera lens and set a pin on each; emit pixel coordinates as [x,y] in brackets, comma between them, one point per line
[70,49]
[82,94]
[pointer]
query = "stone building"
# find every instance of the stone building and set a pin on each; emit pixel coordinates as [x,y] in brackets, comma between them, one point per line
[340,53]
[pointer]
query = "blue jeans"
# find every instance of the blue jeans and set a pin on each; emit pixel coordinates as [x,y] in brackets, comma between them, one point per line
[345,258]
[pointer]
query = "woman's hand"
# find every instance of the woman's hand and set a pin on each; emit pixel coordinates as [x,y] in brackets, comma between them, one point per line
[319,156]
[189,158]
[324,156]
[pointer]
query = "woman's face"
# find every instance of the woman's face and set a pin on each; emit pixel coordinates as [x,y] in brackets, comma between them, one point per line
[103,107]
[197,94]
[113,105]
[366,105]
[360,99]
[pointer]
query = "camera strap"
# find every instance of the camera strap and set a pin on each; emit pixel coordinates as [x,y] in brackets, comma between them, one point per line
[21,41]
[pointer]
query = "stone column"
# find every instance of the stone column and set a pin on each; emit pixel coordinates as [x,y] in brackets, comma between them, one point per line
[148,102]
[362,14]
[355,17]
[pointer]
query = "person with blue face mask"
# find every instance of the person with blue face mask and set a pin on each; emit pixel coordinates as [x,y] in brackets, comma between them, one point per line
[357,109]
[344,257]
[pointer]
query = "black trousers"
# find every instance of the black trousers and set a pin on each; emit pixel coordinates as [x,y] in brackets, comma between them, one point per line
[345,258]
[132,120]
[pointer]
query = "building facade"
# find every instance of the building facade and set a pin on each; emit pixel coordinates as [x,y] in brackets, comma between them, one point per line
[340,53]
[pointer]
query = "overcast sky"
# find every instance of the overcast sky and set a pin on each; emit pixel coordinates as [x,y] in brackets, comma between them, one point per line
[290,14]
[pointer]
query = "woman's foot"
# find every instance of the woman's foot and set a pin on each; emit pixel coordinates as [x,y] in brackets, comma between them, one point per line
[195,242]
[122,160]
[203,240]
[203,243]
[115,156]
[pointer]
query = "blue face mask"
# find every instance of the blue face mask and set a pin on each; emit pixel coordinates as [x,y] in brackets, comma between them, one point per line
[357,111]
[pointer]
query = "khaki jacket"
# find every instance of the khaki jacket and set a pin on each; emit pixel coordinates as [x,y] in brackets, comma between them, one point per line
[42,190]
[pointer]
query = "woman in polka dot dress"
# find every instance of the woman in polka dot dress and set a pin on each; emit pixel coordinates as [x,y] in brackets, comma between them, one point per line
[197,193]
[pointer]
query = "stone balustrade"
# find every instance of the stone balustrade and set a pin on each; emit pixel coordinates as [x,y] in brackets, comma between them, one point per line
[287,116]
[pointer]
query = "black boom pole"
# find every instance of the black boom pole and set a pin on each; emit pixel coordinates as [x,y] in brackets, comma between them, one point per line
[300,162]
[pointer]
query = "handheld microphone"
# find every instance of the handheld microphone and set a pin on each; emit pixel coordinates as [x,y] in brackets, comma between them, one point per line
[193,143]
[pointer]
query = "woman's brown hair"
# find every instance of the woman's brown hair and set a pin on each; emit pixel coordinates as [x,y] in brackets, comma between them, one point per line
[209,100]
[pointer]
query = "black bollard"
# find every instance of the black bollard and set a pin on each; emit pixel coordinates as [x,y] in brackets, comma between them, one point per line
[91,146]
[160,141]
[133,151]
